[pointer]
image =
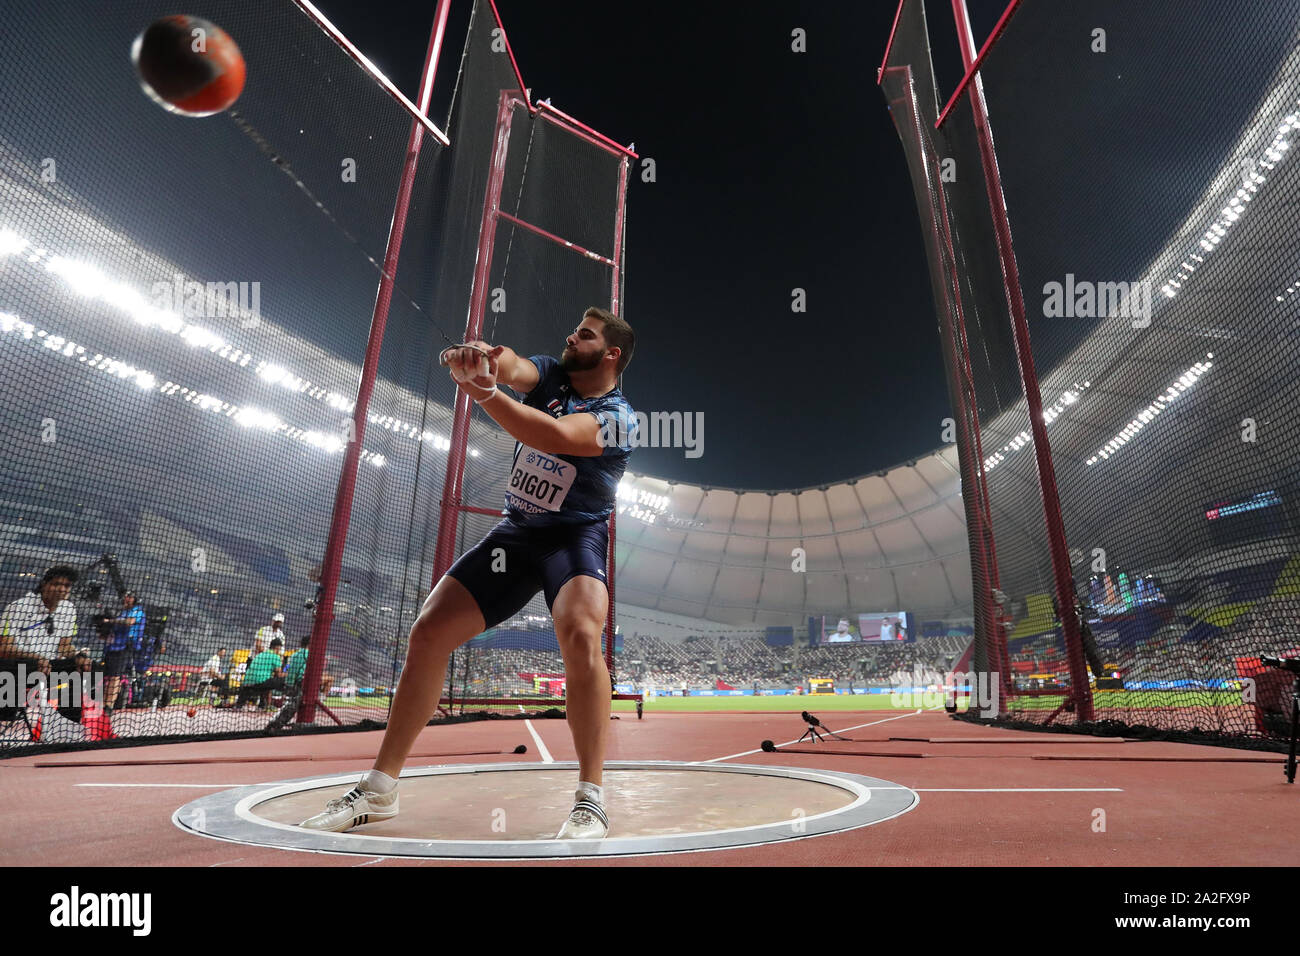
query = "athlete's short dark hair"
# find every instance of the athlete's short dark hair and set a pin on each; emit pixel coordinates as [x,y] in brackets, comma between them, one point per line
[618,334]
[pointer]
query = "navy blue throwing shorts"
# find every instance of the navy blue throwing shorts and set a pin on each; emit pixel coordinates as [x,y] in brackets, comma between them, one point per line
[530,559]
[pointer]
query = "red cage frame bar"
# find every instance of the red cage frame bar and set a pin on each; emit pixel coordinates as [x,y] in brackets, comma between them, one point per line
[967,42]
[510,51]
[997,638]
[452,504]
[332,563]
[1080,691]
[961,381]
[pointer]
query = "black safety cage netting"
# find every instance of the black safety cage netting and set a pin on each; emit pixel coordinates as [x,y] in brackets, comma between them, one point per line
[1144,153]
[184,312]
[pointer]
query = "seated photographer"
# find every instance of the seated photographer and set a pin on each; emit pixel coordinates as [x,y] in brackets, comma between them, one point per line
[48,692]
[264,675]
[294,670]
[41,624]
[213,676]
[296,666]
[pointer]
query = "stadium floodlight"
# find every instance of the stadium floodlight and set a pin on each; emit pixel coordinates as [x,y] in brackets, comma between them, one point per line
[11,243]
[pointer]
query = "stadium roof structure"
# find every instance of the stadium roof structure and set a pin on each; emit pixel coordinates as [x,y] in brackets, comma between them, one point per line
[1144,418]
[891,541]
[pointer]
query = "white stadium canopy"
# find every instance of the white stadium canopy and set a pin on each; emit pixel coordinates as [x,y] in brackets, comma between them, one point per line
[891,541]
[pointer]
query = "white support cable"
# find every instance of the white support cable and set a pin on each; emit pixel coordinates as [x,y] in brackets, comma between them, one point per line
[350,48]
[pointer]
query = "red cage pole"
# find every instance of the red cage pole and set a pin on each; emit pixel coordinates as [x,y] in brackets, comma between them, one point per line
[582,130]
[444,554]
[619,220]
[889,44]
[338,533]
[973,474]
[1060,554]
[611,564]
[510,51]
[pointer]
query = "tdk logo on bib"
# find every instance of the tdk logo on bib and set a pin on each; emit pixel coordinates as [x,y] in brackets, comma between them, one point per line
[553,465]
[539,482]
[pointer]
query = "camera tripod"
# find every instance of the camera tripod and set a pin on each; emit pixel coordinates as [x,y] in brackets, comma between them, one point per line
[812,734]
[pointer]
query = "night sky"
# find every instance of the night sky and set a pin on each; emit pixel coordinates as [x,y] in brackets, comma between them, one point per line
[776,170]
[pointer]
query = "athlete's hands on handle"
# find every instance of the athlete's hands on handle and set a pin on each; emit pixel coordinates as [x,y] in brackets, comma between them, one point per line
[474,367]
[477,367]
[455,356]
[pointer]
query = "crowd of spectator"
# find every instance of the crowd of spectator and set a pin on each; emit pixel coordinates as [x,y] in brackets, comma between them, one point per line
[502,672]
[749,662]
[742,661]
[1175,651]
[1272,626]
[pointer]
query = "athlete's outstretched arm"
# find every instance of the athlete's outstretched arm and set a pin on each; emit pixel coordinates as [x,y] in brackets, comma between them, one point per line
[577,435]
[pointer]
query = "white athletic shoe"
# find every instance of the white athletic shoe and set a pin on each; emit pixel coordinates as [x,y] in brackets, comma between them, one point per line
[354,808]
[587,821]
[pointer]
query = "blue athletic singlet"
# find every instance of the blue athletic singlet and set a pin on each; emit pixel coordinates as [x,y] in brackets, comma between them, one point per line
[546,489]
[555,525]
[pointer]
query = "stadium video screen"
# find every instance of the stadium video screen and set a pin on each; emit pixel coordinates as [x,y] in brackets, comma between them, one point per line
[890,627]
[1237,522]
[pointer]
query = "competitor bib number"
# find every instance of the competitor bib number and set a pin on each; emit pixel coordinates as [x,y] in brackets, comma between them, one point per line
[539,482]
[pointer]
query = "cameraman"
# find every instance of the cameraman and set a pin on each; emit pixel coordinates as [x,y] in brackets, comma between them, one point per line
[151,646]
[123,636]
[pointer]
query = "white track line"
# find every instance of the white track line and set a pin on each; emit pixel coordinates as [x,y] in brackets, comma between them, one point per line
[541,747]
[1005,789]
[796,740]
[202,786]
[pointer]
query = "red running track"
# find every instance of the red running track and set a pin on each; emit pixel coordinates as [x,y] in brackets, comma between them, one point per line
[1205,811]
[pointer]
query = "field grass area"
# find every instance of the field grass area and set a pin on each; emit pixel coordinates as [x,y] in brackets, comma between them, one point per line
[785,704]
[1137,699]
[1103,701]
[359,701]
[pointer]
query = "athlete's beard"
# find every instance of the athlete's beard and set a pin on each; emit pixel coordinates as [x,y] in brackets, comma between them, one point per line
[571,361]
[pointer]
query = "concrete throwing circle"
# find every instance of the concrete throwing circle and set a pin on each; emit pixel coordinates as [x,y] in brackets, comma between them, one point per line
[512,811]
